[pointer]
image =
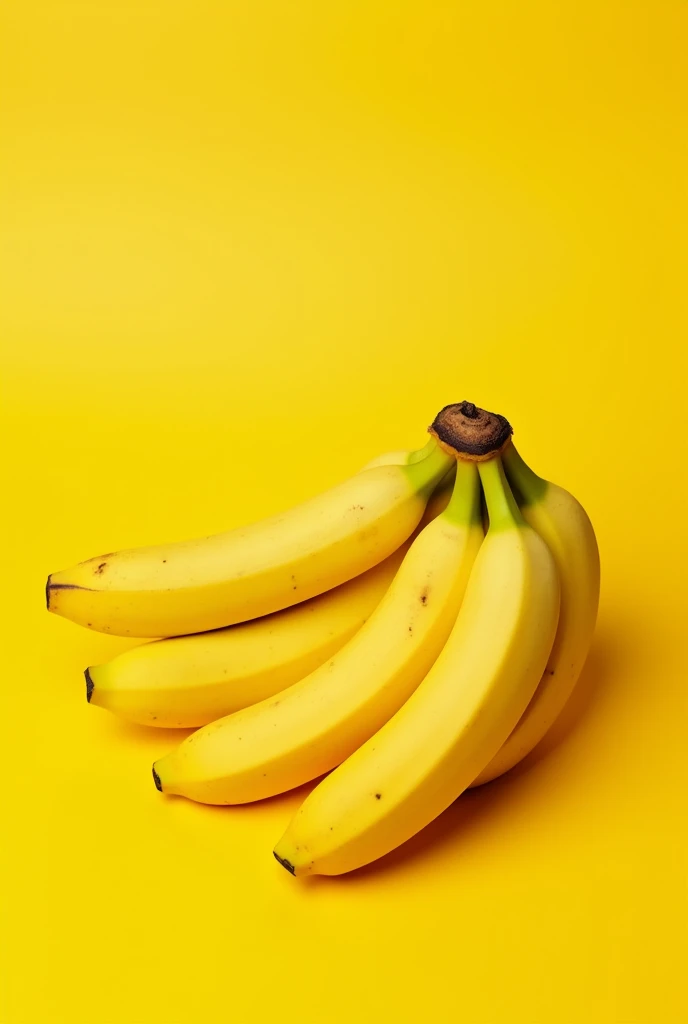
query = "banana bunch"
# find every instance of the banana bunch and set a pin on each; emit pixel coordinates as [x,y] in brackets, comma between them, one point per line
[413,632]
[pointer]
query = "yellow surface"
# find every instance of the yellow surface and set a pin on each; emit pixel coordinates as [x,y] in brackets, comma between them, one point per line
[246,247]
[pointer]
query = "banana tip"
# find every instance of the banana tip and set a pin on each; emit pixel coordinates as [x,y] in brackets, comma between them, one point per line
[89,684]
[284,862]
[47,592]
[156,780]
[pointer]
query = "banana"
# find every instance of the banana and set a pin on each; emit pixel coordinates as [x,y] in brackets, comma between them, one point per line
[204,584]
[188,681]
[563,523]
[192,680]
[459,716]
[281,743]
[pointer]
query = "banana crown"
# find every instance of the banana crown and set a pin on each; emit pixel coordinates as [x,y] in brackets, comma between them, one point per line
[470,432]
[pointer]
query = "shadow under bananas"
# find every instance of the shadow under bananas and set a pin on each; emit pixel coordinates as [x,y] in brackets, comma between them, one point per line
[479,809]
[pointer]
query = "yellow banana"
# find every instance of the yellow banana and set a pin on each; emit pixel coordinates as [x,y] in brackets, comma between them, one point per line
[316,723]
[456,720]
[254,570]
[563,523]
[192,680]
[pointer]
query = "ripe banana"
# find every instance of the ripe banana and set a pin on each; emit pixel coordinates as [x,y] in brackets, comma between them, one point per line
[316,723]
[192,680]
[459,716]
[254,570]
[564,525]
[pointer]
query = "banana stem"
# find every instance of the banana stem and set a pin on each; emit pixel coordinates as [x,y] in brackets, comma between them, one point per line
[502,509]
[426,474]
[529,486]
[464,504]
[421,453]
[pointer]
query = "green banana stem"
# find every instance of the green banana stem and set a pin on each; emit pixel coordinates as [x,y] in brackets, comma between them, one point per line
[426,474]
[464,504]
[530,488]
[502,509]
[420,454]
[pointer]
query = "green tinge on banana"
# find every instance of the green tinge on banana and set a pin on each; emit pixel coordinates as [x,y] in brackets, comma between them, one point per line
[458,717]
[216,581]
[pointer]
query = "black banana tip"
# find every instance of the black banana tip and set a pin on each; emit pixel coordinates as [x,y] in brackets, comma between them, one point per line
[89,685]
[284,862]
[47,592]
[156,780]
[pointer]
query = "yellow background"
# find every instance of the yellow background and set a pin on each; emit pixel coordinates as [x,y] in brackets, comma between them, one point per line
[247,246]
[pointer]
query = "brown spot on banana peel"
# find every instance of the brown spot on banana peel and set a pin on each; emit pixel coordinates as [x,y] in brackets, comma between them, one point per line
[468,432]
